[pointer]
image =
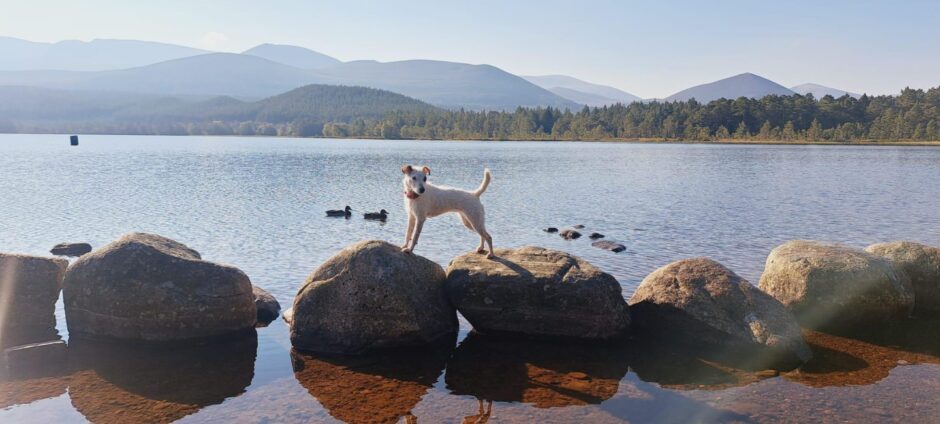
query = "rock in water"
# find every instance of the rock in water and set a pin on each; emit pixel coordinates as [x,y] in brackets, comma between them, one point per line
[36,359]
[570,234]
[70,249]
[29,289]
[371,296]
[595,236]
[700,302]
[609,245]
[830,286]
[268,307]
[148,287]
[551,230]
[537,292]
[922,264]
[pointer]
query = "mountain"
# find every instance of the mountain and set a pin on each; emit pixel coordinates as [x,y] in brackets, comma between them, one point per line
[95,55]
[743,85]
[214,74]
[820,91]
[297,57]
[583,98]
[446,84]
[581,88]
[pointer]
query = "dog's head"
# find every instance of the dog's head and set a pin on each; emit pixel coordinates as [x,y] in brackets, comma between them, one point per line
[414,180]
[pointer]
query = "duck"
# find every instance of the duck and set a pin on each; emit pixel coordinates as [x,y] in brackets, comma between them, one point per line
[340,212]
[376,216]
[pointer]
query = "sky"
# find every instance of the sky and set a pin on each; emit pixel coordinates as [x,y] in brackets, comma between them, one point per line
[648,48]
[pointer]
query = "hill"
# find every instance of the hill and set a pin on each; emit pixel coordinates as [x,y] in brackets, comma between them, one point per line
[820,91]
[742,85]
[297,57]
[446,84]
[581,88]
[95,55]
[583,98]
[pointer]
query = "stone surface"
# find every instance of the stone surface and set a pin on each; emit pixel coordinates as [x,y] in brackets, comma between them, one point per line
[700,302]
[595,236]
[148,287]
[29,289]
[539,293]
[268,307]
[570,234]
[922,264]
[609,245]
[70,249]
[371,296]
[832,286]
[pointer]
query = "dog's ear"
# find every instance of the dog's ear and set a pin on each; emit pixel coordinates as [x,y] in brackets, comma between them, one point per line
[406,169]
[426,170]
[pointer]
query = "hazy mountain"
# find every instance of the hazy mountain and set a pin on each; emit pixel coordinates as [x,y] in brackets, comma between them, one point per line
[819,91]
[297,57]
[230,74]
[446,84]
[583,98]
[95,55]
[551,82]
[743,85]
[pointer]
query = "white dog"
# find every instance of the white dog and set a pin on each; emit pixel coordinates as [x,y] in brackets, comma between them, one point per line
[424,200]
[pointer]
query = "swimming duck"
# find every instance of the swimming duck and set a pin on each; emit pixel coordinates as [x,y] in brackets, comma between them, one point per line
[376,216]
[344,212]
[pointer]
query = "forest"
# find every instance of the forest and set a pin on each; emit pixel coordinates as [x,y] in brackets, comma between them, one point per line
[354,112]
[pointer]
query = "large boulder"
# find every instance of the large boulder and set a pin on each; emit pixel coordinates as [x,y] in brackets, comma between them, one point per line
[267,305]
[29,289]
[537,292]
[701,302]
[922,264]
[148,287]
[830,286]
[371,296]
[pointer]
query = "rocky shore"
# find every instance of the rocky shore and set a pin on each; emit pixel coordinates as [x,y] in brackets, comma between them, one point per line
[371,298]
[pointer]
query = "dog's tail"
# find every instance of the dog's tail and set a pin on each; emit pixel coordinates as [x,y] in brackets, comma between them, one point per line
[484,184]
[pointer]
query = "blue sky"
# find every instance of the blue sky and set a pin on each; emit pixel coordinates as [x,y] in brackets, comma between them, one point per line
[649,48]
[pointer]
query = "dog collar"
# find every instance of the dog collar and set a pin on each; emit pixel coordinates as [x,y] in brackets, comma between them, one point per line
[411,194]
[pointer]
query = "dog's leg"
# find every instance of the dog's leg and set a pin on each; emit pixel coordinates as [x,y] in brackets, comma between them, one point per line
[480,248]
[411,227]
[489,240]
[419,224]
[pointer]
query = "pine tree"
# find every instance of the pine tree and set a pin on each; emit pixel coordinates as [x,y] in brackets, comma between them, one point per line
[764,133]
[741,133]
[789,132]
[722,133]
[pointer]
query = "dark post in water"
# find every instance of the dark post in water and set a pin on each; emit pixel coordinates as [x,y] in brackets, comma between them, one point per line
[74,140]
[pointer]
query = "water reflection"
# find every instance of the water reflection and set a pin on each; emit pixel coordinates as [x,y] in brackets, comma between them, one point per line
[682,368]
[125,382]
[543,374]
[382,387]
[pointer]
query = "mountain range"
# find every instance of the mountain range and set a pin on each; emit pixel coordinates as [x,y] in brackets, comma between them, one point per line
[157,69]
[820,91]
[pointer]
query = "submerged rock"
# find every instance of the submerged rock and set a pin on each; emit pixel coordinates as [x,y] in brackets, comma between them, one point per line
[570,234]
[700,302]
[832,286]
[577,226]
[268,307]
[551,230]
[70,249]
[595,236]
[29,289]
[922,264]
[537,292]
[371,296]
[609,245]
[148,287]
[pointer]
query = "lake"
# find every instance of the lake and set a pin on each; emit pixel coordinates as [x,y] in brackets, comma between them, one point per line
[258,204]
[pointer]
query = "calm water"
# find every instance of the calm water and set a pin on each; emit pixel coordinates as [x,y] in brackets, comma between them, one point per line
[258,204]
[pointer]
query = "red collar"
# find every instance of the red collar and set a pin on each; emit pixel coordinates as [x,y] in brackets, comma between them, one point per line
[411,194]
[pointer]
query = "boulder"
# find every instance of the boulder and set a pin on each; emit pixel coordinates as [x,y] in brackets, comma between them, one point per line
[700,302]
[371,296]
[830,286]
[537,292]
[70,249]
[267,305]
[148,287]
[29,289]
[922,264]
[570,234]
[595,236]
[551,230]
[609,245]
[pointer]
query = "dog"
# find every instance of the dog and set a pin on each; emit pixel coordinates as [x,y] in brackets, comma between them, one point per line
[424,200]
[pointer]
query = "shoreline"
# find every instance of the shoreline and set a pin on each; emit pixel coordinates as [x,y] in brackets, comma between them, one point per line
[917,143]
